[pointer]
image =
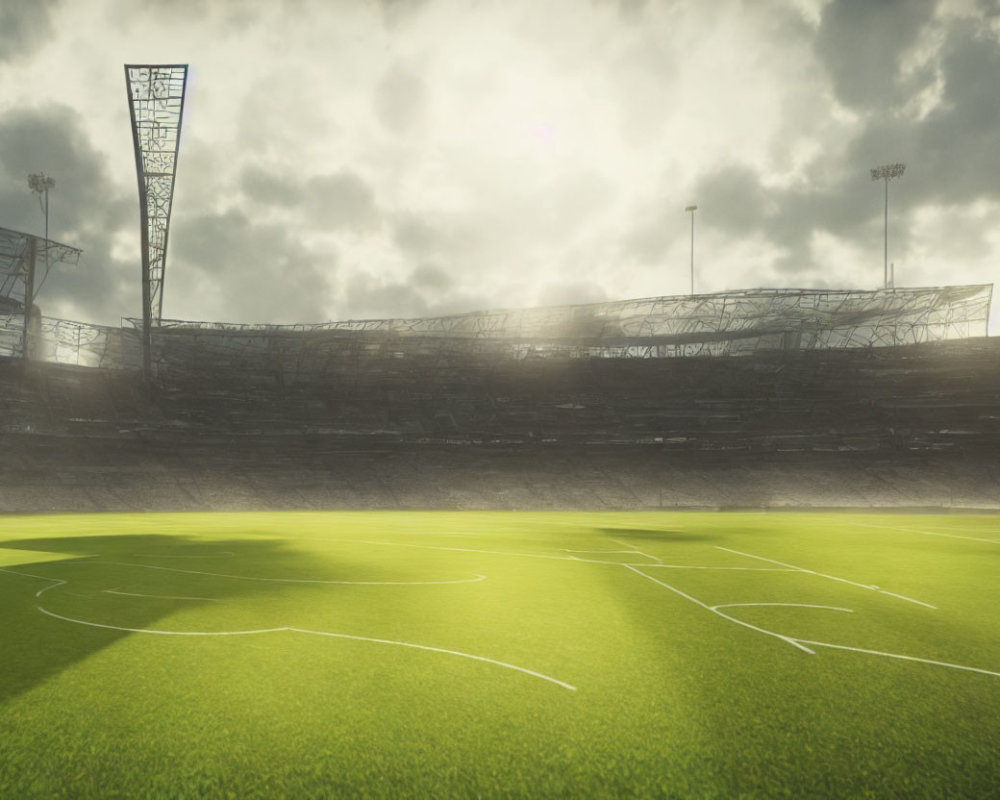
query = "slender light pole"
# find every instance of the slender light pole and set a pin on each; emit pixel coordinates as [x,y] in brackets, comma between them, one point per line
[692,209]
[886,173]
[39,183]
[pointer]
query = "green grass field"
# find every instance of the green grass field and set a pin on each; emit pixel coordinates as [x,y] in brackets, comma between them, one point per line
[500,654]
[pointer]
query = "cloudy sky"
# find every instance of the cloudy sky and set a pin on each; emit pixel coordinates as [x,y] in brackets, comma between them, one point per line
[345,159]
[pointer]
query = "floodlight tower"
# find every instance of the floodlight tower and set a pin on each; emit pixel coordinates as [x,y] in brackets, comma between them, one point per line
[39,183]
[692,209]
[156,106]
[886,173]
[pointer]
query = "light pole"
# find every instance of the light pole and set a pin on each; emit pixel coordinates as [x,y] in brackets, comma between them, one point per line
[886,173]
[40,183]
[692,209]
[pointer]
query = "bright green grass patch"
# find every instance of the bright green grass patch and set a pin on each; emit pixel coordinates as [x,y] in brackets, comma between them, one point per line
[499,654]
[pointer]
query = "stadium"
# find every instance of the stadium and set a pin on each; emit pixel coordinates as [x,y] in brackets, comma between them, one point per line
[513,552]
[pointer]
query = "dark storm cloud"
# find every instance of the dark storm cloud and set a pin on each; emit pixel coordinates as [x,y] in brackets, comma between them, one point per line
[735,201]
[400,100]
[24,24]
[738,202]
[235,15]
[341,200]
[368,296]
[414,236]
[951,153]
[396,13]
[269,188]
[85,208]
[261,270]
[429,278]
[861,43]
[650,236]
[428,290]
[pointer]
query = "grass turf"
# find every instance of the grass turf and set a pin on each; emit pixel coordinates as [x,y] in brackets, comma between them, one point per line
[669,697]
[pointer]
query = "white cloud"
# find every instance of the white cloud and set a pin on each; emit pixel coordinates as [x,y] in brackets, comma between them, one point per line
[517,152]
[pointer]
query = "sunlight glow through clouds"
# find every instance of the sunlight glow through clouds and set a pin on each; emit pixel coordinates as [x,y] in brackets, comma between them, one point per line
[512,148]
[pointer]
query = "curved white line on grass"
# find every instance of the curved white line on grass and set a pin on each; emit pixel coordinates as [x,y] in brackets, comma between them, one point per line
[788,639]
[691,566]
[54,581]
[495,552]
[294,580]
[904,658]
[484,659]
[223,554]
[801,643]
[790,605]
[159,596]
[159,633]
[442,650]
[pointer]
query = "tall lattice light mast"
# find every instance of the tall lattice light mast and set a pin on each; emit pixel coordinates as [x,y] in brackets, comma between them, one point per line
[886,173]
[156,105]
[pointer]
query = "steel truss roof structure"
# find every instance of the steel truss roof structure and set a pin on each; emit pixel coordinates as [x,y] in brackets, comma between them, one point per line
[724,324]
[20,254]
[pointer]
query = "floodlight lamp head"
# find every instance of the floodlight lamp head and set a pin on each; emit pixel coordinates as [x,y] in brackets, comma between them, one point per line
[691,208]
[888,171]
[40,182]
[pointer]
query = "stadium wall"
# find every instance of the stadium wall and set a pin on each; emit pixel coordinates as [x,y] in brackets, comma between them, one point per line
[915,425]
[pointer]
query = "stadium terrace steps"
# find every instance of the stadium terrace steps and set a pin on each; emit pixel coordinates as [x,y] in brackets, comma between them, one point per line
[904,426]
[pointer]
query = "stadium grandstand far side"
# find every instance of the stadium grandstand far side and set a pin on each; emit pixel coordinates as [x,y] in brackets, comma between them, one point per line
[720,324]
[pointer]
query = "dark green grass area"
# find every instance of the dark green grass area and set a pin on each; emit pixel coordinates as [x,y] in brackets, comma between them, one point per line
[500,655]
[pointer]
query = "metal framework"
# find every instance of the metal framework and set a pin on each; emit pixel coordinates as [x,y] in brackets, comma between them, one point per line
[725,324]
[156,105]
[19,254]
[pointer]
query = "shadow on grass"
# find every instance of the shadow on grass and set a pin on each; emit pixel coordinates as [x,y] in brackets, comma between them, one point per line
[657,535]
[36,647]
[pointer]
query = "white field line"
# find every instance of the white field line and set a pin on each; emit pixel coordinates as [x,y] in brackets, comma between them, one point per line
[908,599]
[484,659]
[636,550]
[490,552]
[294,580]
[223,554]
[924,533]
[159,596]
[741,569]
[568,550]
[870,587]
[715,610]
[790,605]
[565,558]
[54,581]
[800,569]
[904,658]
[801,643]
